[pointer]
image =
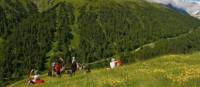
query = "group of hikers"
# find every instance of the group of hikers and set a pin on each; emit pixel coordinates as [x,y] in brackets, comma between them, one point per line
[58,67]
[115,63]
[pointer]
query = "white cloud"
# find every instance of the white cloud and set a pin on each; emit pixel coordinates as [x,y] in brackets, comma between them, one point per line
[188,5]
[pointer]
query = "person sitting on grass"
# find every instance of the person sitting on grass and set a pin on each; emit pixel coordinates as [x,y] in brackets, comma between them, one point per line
[119,63]
[34,79]
[86,69]
[113,63]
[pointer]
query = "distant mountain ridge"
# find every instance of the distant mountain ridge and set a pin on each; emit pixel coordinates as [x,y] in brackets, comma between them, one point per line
[196,14]
[189,6]
[179,10]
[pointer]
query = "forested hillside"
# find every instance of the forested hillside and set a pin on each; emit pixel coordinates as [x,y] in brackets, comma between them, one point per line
[32,35]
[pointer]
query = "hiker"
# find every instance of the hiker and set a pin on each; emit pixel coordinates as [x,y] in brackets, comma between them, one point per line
[58,68]
[119,63]
[73,67]
[53,67]
[62,63]
[35,79]
[73,59]
[86,69]
[49,72]
[113,63]
[79,66]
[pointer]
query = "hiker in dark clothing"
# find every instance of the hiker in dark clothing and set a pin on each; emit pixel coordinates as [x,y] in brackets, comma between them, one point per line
[50,72]
[73,68]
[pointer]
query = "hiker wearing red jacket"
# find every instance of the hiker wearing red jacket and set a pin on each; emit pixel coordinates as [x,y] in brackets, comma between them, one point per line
[119,63]
[58,68]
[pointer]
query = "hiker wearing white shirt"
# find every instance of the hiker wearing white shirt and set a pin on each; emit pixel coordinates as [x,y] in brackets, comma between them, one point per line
[112,63]
[33,78]
[73,59]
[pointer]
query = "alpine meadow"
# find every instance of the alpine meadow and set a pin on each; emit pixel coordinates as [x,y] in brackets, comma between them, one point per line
[158,45]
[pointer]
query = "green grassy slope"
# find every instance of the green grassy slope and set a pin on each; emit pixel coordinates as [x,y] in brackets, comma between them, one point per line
[165,71]
[184,43]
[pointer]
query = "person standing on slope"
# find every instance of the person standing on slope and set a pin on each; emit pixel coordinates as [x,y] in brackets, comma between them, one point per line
[73,66]
[62,63]
[58,68]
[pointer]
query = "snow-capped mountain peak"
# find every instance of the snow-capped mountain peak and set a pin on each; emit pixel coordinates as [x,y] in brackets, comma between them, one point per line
[196,12]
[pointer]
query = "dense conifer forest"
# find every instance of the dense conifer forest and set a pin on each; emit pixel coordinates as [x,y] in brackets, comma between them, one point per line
[91,30]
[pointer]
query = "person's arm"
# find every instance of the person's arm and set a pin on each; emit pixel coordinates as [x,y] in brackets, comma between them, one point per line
[62,59]
[30,75]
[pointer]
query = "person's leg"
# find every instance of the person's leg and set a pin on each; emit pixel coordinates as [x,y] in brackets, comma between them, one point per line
[73,72]
[30,82]
[52,72]
[49,73]
[59,73]
[70,72]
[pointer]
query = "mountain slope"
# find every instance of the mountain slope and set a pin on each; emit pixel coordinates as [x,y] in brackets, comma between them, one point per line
[165,71]
[91,30]
[12,13]
[184,43]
